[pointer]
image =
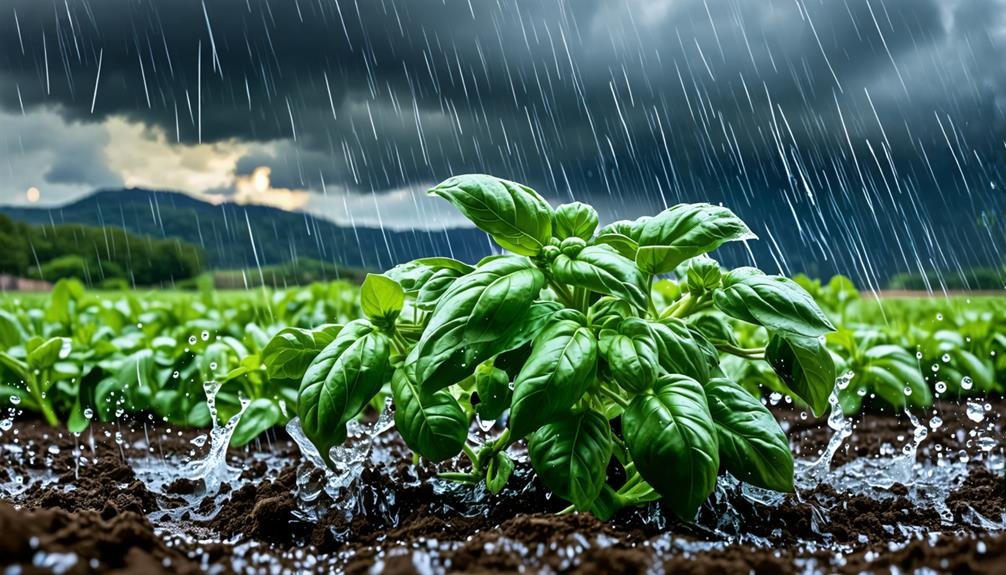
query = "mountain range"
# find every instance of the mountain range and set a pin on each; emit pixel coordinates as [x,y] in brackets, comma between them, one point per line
[237,235]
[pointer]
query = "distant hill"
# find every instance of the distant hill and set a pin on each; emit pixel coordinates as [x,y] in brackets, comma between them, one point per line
[276,236]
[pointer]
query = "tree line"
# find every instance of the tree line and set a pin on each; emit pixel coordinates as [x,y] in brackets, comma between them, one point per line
[107,256]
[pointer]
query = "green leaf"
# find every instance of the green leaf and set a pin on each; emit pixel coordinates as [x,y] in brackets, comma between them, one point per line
[434,288]
[381,298]
[291,351]
[341,381]
[575,220]
[774,302]
[45,354]
[603,270]
[632,355]
[493,386]
[433,425]
[752,445]
[11,332]
[703,274]
[608,312]
[805,368]
[682,232]
[571,456]
[498,472]
[679,350]
[478,308]
[516,217]
[672,440]
[621,236]
[261,415]
[889,369]
[561,367]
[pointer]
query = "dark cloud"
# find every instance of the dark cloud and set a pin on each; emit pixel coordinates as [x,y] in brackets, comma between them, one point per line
[836,126]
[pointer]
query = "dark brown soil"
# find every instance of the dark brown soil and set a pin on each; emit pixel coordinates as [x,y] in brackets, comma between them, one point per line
[98,515]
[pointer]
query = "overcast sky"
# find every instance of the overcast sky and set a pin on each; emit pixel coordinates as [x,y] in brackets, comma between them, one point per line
[849,118]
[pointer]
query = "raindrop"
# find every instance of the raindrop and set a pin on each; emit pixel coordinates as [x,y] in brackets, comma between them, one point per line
[192,340]
[946,358]
[88,413]
[15,399]
[967,383]
[54,450]
[935,422]
[205,335]
[908,390]
[6,424]
[976,412]
[941,387]
[987,443]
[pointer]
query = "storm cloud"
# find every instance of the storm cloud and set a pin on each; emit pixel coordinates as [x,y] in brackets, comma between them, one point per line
[851,130]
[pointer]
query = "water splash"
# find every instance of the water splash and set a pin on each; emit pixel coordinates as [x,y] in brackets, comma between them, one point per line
[348,460]
[214,469]
[813,473]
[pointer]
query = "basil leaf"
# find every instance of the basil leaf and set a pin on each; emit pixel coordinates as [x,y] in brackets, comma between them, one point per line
[575,220]
[516,217]
[703,274]
[433,425]
[381,298]
[774,302]
[434,287]
[46,353]
[261,414]
[561,367]
[682,232]
[493,386]
[672,440]
[889,369]
[498,472]
[341,381]
[603,270]
[571,456]
[752,445]
[632,355]
[621,236]
[805,368]
[679,350]
[478,308]
[291,351]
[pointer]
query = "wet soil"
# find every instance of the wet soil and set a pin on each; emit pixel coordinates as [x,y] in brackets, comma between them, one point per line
[73,504]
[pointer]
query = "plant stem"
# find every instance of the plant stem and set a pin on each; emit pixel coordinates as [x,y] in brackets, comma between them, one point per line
[43,403]
[621,401]
[563,293]
[745,352]
[649,298]
[470,453]
[460,477]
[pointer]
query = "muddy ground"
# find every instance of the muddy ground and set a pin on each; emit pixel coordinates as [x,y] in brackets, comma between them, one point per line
[111,500]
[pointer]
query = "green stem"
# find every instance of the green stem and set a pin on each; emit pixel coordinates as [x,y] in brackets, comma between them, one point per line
[618,399]
[563,293]
[43,403]
[470,453]
[649,299]
[460,477]
[745,352]
[501,442]
[582,298]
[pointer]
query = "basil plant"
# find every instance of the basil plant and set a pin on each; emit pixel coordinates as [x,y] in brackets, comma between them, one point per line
[566,340]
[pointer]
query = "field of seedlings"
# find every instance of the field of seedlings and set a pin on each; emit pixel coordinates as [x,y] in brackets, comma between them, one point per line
[591,399]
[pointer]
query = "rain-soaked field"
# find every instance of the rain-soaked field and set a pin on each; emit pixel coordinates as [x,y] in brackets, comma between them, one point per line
[888,487]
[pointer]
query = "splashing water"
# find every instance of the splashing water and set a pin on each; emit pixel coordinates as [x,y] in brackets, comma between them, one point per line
[213,469]
[348,459]
[818,470]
